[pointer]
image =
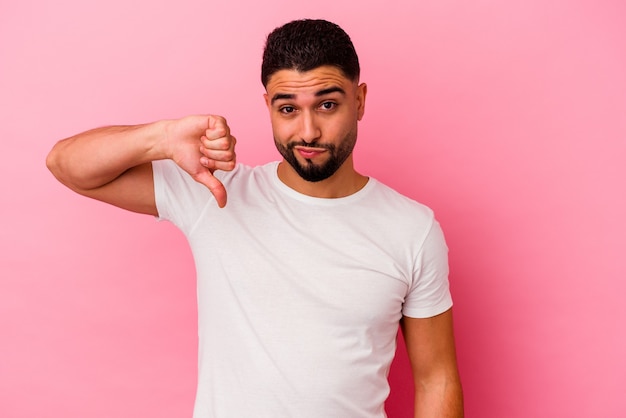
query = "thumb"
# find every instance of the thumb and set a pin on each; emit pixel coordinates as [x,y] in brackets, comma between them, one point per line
[214,185]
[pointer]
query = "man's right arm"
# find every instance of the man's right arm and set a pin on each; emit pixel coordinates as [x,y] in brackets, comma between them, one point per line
[113,164]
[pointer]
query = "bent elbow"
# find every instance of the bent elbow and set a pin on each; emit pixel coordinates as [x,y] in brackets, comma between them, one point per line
[55,163]
[52,162]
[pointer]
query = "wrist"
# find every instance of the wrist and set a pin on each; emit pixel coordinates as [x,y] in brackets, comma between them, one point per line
[160,134]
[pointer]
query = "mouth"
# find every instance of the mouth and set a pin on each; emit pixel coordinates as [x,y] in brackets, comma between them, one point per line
[310,152]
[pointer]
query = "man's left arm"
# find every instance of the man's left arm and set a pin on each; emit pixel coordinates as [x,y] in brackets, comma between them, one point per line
[431,349]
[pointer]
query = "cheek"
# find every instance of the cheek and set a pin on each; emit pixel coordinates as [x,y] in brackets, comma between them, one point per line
[344,127]
[276,127]
[282,129]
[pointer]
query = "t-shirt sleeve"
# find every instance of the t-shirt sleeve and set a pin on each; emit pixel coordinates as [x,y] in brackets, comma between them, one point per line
[429,293]
[179,198]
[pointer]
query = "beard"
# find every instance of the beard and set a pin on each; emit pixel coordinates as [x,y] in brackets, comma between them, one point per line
[311,171]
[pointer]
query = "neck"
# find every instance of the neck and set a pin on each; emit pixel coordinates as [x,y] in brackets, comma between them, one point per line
[344,182]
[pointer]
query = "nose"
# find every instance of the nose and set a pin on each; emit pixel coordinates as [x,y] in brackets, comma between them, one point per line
[309,129]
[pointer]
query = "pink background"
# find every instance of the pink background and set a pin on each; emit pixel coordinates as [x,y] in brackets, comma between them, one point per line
[507,118]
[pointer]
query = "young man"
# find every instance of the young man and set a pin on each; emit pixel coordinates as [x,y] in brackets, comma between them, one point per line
[305,275]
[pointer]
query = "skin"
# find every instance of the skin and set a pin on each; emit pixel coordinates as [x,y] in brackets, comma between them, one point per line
[113,164]
[312,113]
[318,107]
[431,349]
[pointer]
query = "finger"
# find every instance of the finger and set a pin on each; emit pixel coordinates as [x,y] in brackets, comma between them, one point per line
[217,128]
[214,185]
[221,143]
[223,151]
[213,165]
[217,155]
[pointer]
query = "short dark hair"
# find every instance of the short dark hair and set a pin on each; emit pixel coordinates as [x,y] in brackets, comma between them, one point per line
[306,44]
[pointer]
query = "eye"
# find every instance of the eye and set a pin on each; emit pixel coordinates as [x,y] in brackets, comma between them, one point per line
[328,105]
[287,109]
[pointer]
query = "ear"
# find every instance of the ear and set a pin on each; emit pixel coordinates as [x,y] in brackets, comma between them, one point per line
[267,101]
[361,93]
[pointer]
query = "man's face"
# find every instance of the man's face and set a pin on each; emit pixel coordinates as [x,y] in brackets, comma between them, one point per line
[314,118]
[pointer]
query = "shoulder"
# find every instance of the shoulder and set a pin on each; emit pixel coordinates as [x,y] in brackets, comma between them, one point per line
[168,169]
[399,221]
[247,176]
[392,203]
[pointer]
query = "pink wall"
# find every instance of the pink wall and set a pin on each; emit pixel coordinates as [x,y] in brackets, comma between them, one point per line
[507,118]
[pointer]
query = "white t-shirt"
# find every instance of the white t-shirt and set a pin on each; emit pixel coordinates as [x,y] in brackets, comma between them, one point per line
[299,298]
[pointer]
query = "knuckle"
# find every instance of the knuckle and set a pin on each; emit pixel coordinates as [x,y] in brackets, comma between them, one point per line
[225,145]
[218,132]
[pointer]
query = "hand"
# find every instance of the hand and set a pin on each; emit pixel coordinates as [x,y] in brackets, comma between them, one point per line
[200,145]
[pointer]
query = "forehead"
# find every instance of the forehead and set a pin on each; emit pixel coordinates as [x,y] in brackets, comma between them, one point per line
[308,82]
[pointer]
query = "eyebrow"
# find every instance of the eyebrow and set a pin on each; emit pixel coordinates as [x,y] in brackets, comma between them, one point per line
[324,92]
